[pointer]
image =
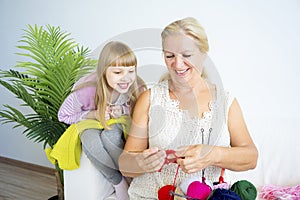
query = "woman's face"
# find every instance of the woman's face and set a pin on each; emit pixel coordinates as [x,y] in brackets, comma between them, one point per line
[120,78]
[182,57]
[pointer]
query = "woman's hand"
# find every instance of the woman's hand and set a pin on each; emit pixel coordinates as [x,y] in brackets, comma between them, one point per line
[151,160]
[195,157]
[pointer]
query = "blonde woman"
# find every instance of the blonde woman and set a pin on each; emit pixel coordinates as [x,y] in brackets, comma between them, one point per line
[190,115]
[109,92]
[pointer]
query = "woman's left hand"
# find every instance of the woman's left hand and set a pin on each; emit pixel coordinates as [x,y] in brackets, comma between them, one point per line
[195,157]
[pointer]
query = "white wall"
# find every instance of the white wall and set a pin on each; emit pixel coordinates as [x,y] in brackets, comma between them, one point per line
[255,45]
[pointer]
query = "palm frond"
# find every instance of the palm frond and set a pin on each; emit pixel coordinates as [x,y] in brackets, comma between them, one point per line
[53,63]
[44,129]
[15,86]
[13,115]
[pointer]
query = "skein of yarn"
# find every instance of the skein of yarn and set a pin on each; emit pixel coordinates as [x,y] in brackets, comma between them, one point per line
[270,192]
[223,194]
[245,190]
[198,190]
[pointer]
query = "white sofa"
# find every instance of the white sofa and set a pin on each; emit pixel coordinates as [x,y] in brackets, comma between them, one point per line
[277,141]
[86,182]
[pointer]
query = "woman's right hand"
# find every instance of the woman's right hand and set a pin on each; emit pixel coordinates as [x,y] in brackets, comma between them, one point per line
[151,160]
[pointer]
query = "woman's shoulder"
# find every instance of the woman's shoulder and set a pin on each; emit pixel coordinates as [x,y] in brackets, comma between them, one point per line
[161,86]
[145,95]
[143,101]
[159,92]
[228,93]
[229,97]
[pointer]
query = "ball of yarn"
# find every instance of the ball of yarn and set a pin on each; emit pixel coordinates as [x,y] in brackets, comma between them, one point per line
[223,194]
[245,190]
[164,192]
[198,190]
[186,182]
[222,186]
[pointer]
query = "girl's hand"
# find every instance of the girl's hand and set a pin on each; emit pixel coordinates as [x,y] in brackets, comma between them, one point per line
[116,111]
[107,115]
[195,157]
[151,160]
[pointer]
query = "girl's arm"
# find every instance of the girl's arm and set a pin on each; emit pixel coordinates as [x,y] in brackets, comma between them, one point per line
[75,109]
[136,158]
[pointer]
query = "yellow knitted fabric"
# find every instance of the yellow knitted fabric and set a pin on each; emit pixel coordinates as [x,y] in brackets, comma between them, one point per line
[67,150]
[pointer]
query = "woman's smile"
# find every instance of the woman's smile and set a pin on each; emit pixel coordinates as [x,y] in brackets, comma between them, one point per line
[183,72]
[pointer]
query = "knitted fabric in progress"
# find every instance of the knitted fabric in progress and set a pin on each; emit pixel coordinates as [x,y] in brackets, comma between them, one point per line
[170,128]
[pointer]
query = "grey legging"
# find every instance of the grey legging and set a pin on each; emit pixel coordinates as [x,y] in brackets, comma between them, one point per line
[103,148]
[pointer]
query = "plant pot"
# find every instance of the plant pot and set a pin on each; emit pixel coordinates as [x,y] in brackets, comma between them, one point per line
[60,188]
[54,198]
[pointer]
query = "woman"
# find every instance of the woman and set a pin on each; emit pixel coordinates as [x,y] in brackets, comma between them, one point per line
[187,112]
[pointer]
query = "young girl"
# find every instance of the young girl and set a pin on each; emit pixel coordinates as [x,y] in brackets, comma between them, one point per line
[108,93]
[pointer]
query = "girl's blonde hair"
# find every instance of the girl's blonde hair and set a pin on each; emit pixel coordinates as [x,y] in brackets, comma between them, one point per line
[190,27]
[115,54]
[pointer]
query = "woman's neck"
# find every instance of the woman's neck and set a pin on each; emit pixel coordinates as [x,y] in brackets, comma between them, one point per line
[189,86]
[194,98]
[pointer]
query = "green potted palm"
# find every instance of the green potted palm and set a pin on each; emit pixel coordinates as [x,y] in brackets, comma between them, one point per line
[53,62]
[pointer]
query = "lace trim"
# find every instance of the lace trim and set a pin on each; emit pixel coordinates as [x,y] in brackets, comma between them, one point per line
[206,115]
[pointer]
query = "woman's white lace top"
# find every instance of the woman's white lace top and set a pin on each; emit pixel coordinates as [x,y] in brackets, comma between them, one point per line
[170,128]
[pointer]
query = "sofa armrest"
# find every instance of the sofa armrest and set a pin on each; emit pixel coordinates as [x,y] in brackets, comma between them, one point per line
[86,182]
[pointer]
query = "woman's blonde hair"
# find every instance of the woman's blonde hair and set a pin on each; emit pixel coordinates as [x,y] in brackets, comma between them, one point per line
[190,27]
[115,54]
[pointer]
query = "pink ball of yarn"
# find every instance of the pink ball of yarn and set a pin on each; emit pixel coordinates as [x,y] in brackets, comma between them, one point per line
[198,190]
[222,186]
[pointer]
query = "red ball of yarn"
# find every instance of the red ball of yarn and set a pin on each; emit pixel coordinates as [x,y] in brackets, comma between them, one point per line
[198,190]
[164,192]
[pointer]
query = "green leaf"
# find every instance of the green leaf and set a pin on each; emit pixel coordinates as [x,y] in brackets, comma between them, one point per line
[52,62]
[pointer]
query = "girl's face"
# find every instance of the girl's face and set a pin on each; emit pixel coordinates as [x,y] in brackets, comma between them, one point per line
[120,78]
[182,57]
